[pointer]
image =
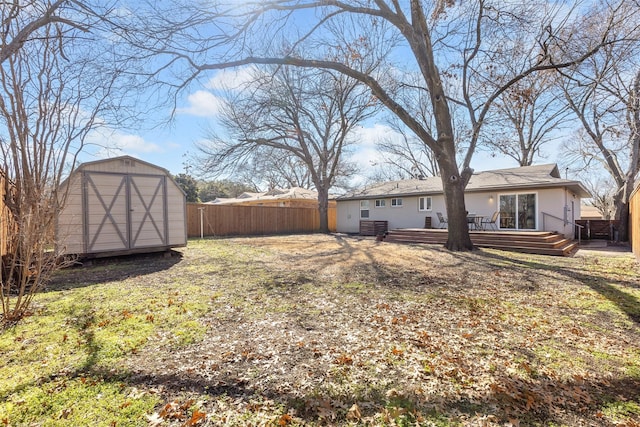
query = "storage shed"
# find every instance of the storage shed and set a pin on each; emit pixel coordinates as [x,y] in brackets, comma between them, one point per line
[120,206]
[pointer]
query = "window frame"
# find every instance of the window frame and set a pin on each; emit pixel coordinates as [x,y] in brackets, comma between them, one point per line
[364,207]
[394,202]
[425,204]
[380,203]
[518,215]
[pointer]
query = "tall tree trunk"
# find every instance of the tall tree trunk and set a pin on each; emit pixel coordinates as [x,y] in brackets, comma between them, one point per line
[621,203]
[622,214]
[458,238]
[323,209]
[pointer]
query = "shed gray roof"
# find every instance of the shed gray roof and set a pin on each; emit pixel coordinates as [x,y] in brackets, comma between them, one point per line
[526,177]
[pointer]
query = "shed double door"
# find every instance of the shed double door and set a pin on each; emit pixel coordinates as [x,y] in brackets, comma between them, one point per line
[124,211]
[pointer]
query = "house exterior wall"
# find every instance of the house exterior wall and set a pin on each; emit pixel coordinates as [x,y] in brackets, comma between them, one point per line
[405,216]
[551,201]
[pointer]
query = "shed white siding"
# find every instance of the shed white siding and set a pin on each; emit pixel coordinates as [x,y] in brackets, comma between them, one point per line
[120,205]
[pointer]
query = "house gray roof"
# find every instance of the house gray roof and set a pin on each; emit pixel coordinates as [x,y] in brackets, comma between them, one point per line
[525,177]
[274,194]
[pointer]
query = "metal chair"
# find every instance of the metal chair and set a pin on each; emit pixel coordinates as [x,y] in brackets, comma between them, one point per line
[472,221]
[491,221]
[442,219]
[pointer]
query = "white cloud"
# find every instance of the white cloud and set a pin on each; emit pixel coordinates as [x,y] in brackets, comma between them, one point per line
[116,143]
[202,104]
[232,79]
[366,138]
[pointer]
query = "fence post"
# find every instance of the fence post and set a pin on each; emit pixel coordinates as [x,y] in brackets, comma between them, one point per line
[201,222]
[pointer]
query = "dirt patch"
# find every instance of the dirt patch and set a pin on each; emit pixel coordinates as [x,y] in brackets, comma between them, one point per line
[327,330]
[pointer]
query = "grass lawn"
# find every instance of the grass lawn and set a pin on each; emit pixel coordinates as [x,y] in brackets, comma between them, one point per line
[321,330]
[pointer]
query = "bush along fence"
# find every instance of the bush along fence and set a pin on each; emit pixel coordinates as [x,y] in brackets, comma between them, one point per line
[228,220]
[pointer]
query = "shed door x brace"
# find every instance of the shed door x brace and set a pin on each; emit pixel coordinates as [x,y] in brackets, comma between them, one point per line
[124,211]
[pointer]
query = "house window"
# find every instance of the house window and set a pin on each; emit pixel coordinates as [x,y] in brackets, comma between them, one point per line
[396,203]
[364,209]
[518,211]
[424,203]
[381,203]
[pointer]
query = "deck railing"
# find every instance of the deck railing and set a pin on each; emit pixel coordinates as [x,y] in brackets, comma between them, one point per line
[566,221]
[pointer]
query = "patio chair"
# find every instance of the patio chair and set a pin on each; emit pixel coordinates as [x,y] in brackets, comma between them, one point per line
[443,220]
[490,221]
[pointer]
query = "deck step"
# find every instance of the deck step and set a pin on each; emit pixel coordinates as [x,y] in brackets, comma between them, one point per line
[535,242]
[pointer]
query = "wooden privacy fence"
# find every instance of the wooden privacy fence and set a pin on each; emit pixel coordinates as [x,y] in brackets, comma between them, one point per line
[598,229]
[5,217]
[634,221]
[230,220]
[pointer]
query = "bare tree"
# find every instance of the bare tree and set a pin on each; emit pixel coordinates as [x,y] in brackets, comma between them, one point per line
[55,88]
[299,119]
[406,158]
[527,116]
[604,95]
[29,17]
[272,168]
[471,42]
[602,191]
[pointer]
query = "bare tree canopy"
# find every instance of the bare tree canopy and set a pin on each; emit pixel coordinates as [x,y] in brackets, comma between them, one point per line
[603,93]
[296,122]
[484,46]
[527,117]
[58,82]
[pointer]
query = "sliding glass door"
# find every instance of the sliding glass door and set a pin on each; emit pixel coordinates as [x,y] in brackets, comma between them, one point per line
[518,211]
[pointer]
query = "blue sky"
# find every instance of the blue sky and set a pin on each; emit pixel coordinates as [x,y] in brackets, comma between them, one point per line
[172,145]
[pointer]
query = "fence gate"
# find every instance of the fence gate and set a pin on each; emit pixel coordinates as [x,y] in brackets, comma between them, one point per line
[124,211]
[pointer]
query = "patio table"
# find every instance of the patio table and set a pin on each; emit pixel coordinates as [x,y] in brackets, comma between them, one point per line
[475,221]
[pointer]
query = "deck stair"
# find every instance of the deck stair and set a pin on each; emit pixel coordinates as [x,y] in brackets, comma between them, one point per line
[534,242]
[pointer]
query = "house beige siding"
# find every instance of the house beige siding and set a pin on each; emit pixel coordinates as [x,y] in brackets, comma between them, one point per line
[120,205]
[552,206]
[405,216]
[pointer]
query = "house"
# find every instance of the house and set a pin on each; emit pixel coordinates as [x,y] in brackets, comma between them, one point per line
[120,206]
[529,198]
[294,197]
[589,212]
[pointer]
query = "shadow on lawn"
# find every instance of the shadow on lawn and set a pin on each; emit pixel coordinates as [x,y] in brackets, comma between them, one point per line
[607,287]
[110,269]
[541,400]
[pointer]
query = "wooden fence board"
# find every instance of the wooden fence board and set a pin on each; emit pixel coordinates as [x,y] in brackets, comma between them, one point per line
[634,222]
[233,220]
[598,228]
[5,218]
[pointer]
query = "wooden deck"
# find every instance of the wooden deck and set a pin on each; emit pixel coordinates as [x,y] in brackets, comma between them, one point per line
[534,242]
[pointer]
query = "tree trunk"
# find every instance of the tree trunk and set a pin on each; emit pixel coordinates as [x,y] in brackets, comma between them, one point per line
[458,228]
[622,215]
[323,209]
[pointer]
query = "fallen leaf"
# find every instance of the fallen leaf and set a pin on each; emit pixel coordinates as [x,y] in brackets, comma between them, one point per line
[196,418]
[285,420]
[354,414]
